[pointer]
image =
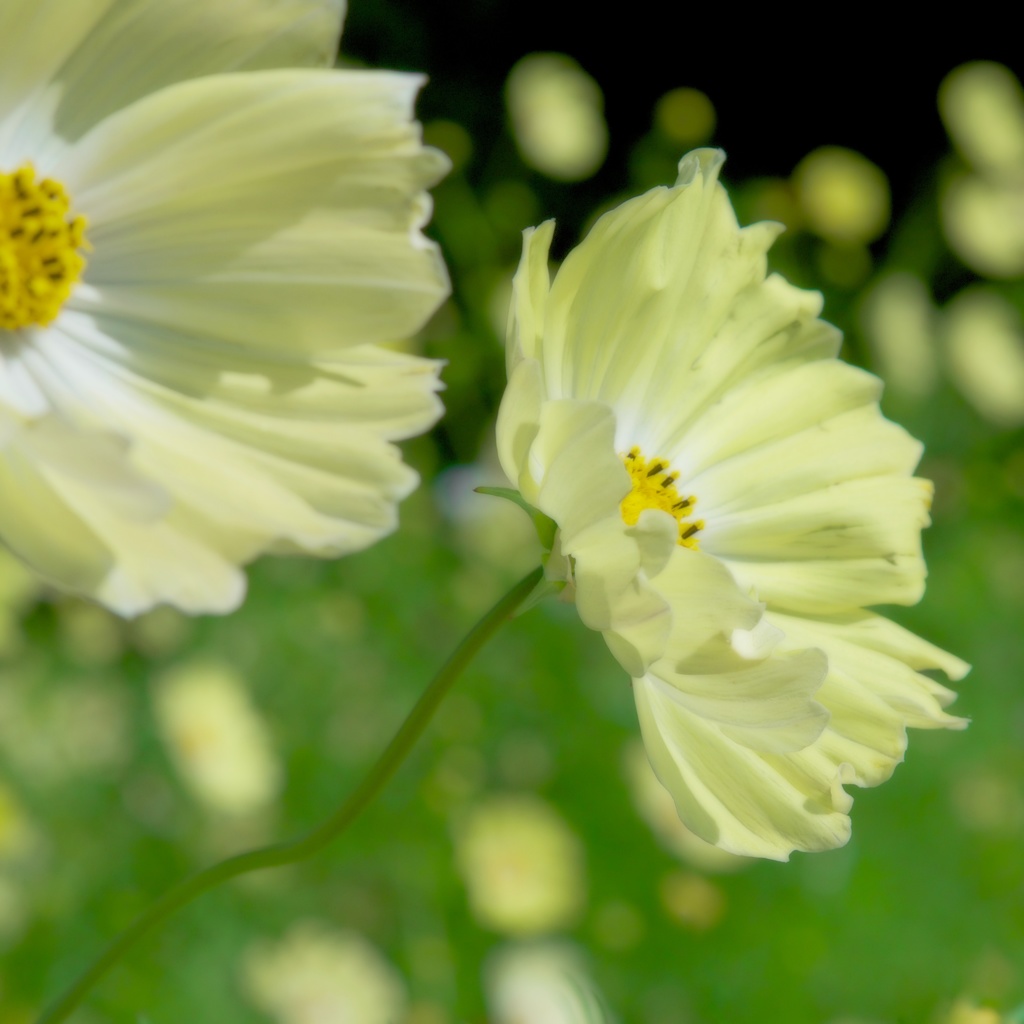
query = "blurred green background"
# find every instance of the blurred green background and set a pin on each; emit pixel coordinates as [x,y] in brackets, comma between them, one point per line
[523,867]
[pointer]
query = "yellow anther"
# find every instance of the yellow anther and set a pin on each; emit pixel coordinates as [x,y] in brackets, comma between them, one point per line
[40,243]
[654,486]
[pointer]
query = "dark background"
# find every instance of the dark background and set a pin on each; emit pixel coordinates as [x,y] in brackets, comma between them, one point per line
[777,96]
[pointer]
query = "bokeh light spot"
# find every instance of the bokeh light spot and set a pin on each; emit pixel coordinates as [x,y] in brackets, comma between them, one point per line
[985,348]
[557,113]
[982,107]
[898,318]
[685,116]
[983,222]
[845,197]
[522,865]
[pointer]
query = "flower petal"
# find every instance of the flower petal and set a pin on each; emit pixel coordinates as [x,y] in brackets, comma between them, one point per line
[36,521]
[686,616]
[581,479]
[255,454]
[247,209]
[530,289]
[169,561]
[863,733]
[665,305]
[36,38]
[818,587]
[613,597]
[870,517]
[877,633]
[775,404]
[98,56]
[518,423]
[729,794]
[766,705]
[707,608]
[852,445]
[891,673]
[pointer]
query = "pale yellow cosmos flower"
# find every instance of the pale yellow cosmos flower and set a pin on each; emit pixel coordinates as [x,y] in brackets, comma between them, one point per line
[727,503]
[206,236]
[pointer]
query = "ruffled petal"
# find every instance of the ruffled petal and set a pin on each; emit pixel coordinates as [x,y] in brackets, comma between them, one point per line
[665,305]
[278,211]
[764,704]
[74,64]
[742,800]
[254,454]
[877,633]
[529,296]
[38,519]
[721,659]
[892,671]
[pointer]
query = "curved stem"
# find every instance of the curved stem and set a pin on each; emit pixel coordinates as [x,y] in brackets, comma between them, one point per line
[314,841]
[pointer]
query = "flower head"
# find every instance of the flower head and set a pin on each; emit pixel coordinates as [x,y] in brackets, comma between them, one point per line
[729,501]
[205,237]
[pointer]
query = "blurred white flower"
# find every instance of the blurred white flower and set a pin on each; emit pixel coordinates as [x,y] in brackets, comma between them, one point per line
[686,116]
[725,501]
[899,318]
[845,197]
[542,983]
[967,1011]
[21,847]
[217,738]
[319,975]
[691,900]
[984,224]
[18,837]
[202,249]
[522,865]
[984,341]
[982,106]
[557,116]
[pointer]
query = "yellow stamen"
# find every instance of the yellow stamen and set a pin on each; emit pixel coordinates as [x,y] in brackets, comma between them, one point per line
[654,486]
[40,249]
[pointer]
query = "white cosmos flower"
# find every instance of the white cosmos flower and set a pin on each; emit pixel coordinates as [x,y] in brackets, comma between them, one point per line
[729,501]
[205,236]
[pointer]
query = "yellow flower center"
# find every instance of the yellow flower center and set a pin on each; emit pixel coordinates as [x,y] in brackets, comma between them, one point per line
[654,486]
[40,243]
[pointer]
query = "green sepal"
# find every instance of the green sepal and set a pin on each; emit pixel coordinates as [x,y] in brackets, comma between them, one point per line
[545,588]
[544,525]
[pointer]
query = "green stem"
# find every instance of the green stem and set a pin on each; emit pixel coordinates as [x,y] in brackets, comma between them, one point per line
[299,849]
